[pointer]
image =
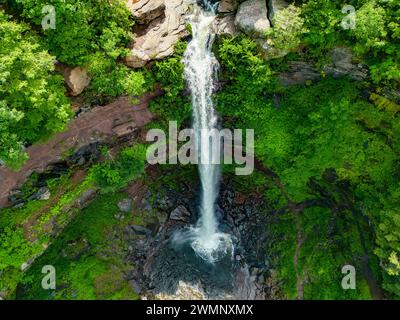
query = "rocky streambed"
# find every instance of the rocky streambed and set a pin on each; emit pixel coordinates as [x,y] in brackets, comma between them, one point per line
[167,271]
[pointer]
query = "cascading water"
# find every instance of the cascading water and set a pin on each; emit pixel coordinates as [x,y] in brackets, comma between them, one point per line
[201,68]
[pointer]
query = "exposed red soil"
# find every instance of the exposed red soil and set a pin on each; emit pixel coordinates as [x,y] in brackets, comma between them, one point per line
[95,125]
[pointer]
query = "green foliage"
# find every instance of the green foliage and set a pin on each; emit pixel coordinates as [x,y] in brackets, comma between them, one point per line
[288,28]
[83,27]
[32,101]
[301,133]
[249,78]
[322,19]
[370,30]
[173,105]
[113,175]
[89,261]
[14,248]
[375,37]
[114,79]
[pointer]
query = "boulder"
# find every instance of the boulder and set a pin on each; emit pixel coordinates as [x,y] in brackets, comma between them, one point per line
[146,11]
[226,26]
[85,198]
[42,194]
[140,230]
[76,79]
[180,214]
[158,40]
[228,6]
[125,205]
[252,17]
[300,72]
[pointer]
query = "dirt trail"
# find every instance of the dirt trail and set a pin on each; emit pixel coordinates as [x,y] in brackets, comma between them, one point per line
[99,124]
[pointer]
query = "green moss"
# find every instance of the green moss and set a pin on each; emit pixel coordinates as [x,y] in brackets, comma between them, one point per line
[84,268]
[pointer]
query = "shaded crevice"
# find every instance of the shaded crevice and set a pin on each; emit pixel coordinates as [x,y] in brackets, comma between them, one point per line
[270,12]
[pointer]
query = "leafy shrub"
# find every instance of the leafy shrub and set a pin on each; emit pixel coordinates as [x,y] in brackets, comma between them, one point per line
[83,27]
[322,19]
[288,29]
[116,174]
[370,30]
[14,248]
[32,101]
[114,79]
[173,105]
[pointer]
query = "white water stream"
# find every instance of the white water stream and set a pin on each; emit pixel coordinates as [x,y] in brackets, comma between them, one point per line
[201,68]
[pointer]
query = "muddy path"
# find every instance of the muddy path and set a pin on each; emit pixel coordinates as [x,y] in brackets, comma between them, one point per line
[98,125]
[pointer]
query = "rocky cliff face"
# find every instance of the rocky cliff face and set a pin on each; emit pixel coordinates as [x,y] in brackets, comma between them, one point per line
[162,23]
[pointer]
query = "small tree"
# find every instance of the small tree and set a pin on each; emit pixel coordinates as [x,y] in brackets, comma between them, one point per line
[32,101]
[288,28]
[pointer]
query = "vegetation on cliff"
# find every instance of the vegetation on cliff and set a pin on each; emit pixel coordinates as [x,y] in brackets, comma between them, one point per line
[327,149]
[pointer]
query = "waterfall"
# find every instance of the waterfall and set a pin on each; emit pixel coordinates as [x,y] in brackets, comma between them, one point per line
[201,68]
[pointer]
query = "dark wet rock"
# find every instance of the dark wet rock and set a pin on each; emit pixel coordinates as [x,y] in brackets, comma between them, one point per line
[125,205]
[52,171]
[19,204]
[169,268]
[85,156]
[136,286]
[16,198]
[146,203]
[140,230]
[343,65]
[42,194]
[180,214]
[299,73]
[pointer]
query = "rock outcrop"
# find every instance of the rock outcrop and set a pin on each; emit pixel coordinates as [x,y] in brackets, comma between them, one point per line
[301,72]
[252,17]
[76,79]
[226,26]
[228,6]
[146,11]
[91,127]
[157,41]
[343,65]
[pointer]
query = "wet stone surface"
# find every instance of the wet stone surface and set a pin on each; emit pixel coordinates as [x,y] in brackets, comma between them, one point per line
[162,264]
